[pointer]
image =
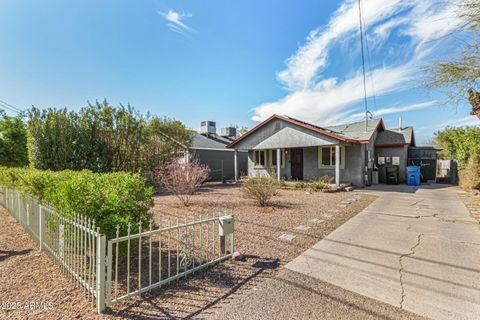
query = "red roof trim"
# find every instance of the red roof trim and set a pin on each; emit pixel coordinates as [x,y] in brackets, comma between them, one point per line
[276,116]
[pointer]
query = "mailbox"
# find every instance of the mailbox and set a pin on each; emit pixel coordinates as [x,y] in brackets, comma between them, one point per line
[226,225]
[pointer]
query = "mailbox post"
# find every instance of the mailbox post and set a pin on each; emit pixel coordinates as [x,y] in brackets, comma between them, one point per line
[225,227]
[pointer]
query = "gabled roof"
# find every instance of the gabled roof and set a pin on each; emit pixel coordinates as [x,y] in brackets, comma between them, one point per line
[200,141]
[354,132]
[395,137]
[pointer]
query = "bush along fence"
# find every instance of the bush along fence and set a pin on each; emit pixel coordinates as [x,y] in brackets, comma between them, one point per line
[110,271]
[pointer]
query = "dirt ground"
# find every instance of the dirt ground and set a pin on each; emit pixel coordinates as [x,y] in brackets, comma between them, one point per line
[27,275]
[30,276]
[257,232]
[471,199]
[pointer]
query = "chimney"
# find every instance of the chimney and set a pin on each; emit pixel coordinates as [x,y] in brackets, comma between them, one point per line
[400,124]
[208,127]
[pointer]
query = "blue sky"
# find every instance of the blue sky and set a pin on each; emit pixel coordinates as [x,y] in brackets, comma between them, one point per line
[231,62]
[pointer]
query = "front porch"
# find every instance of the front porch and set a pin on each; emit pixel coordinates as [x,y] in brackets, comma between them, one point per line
[300,163]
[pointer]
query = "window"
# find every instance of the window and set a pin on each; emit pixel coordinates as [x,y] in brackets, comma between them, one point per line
[259,158]
[326,157]
[273,158]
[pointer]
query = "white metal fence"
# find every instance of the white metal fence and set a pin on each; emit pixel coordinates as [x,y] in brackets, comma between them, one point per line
[134,263]
[139,262]
[75,244]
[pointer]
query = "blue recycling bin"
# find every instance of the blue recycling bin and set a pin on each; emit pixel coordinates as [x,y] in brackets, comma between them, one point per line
[413,175]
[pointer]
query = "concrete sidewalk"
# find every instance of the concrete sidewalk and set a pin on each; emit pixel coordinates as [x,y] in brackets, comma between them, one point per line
[418,250]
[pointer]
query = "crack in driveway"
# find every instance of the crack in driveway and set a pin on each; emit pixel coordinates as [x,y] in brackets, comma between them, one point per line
[400,271]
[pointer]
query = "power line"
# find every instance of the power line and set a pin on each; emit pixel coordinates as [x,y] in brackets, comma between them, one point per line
[9,109]
[369,65]
[10,106]
[363,65]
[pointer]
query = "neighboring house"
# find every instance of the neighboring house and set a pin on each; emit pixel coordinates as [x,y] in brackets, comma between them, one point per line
[210,149]
[348,153]
[393,145]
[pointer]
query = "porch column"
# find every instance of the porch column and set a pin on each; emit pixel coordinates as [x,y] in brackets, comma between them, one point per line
[337,164]
[235,163]
[278,164]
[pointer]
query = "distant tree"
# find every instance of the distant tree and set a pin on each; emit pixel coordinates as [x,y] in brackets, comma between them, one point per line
[241,130]
[13,141]
[168,139]
[103,138]
[459,76]
[462,144]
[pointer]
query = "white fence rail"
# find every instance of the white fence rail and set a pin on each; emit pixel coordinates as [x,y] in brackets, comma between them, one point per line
[74,244]
[134,263]
[139,262]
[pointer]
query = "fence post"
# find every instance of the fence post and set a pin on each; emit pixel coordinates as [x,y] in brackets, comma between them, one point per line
[223,244]
[100,273]
[108,295]
[40,225]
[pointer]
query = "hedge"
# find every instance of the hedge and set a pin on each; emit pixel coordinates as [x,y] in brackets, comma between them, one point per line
[109,198]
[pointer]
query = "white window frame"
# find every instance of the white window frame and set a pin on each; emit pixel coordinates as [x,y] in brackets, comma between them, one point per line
[259,165]
[273,153]
[332,149]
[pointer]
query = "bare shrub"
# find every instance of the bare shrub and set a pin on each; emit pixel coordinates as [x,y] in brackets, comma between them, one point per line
[261,189]
[182,179]
[470,176]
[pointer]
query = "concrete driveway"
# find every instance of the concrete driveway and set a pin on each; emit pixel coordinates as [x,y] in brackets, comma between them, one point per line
[418,250]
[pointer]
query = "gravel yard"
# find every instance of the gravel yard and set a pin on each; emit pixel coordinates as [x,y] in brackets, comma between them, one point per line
[307,216]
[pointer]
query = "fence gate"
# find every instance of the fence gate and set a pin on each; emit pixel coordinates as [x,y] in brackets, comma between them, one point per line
[139,262]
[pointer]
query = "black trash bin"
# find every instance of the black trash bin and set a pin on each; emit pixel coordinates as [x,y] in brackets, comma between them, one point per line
[392,174]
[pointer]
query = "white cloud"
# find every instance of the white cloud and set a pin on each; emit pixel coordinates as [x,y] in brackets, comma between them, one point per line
[175,21]
[303,66]
[323,103]
[315,98]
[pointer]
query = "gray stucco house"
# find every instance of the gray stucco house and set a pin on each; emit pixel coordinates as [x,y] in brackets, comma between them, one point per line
[304,151]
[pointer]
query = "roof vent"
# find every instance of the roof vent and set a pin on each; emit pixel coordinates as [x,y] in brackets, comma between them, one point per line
[228,132]
[400,124]
[208,127]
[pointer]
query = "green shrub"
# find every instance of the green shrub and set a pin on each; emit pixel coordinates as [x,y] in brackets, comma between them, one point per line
[109,198]
[13,141]
[459,143]
[300,185]
[262,189]
[316,185]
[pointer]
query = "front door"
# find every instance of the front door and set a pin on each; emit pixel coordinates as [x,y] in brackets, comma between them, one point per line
[296,163]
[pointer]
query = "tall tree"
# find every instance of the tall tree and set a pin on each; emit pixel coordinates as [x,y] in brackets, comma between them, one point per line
[103,138]
[459,76]
[13,142]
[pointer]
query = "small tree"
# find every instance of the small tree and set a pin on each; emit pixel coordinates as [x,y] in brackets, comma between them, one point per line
[261,189]
[182,179]
[13,141]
